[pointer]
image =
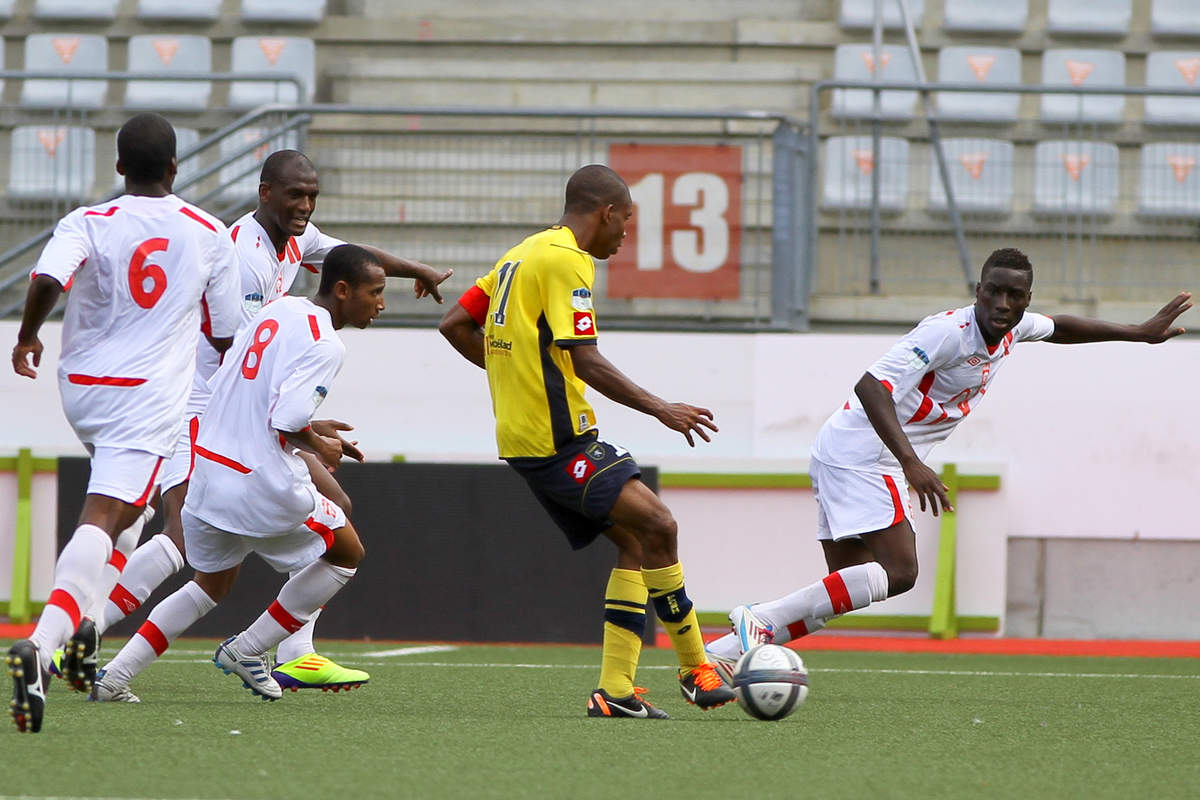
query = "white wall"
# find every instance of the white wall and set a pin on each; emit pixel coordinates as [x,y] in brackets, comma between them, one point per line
[1092,441]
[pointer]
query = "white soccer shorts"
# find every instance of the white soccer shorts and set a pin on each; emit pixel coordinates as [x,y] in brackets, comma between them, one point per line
[178,468]
[851,502]
[127,475]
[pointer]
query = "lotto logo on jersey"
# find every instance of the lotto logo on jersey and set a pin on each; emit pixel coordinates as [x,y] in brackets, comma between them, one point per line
[581,468]
[584,324]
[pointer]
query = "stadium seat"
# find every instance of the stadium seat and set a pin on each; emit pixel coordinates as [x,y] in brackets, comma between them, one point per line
[287,56]
[167,54]
[51,163]
[1089,17]
[985,16]
[1169,183]
[1175,18]
[191,11]
[982,65]
[243,188]
[283,10]
[981,172]
[1172,69]
[856,62]
[1083,68]
[858,14]
[849,163]
[6,8]
[75,9]
[62,52]
[1075,177]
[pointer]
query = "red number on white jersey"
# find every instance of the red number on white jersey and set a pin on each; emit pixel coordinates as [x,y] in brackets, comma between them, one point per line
[270,327]
[140,272]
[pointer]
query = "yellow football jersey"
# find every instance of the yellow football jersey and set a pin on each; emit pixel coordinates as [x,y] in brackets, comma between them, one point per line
[541,305]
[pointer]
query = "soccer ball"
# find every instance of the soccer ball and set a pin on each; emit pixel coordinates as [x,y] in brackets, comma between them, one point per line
[770,681]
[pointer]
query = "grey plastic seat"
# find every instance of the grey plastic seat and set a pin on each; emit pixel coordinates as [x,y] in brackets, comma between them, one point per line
[848,165]
[857,14]
[1071,67]
[63,52]
[283,10]
[241,175]
[6,8]
[1175,18]
[1089,17]
[286,56]
[985,16]
[979,65]
[1168,181]
[1075,177]
[167,54]
[981,174]
[856,62]
[76,9]
[51,163]
[1173,69]
[191,11]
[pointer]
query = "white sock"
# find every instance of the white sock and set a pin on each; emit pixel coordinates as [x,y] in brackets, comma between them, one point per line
[727,646]
[300,598]
[300,643]
[150,565]
[76,574]
[125,545]
[809,609]
[170,618]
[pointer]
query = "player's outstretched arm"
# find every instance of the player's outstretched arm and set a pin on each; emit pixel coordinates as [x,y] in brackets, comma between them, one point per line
[1156,330]
[464,334]
[881,411]
[598,372]
[43,293]
[427,278]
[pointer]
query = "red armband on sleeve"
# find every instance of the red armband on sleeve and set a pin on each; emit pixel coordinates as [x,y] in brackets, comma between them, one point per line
[476,302]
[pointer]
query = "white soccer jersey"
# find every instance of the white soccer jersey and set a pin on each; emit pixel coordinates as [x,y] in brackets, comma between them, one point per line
[937,373]
[246,479]
[265,276]
[137,268]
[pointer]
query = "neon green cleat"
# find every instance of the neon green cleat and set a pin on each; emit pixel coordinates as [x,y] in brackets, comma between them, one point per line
[317,672]
[56,664]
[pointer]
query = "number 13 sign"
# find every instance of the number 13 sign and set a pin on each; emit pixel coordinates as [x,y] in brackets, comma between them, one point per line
[685,236]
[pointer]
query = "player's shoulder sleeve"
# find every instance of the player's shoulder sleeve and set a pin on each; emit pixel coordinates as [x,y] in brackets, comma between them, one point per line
[565,278]
[933,344]
[487,283]
[1033,327]
[314,244]
[223,294]
[205,219]
[69,247]
[308,382]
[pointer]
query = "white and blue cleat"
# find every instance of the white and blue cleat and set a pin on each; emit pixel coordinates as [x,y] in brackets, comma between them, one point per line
[255,671]
[749,629]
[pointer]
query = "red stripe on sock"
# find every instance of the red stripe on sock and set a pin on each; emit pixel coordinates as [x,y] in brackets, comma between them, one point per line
[285,620]
[150,632]
[118,560]
[797,629]
[62,599]
[123,599]
[837,593]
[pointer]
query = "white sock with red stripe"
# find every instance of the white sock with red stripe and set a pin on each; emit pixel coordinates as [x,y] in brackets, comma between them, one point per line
[300,643]
[807,610]
[150,565]
[76,574]
[299,599]
[170,618]
[125,545]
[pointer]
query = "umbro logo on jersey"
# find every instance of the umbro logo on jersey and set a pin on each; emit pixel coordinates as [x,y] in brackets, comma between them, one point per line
[974,361]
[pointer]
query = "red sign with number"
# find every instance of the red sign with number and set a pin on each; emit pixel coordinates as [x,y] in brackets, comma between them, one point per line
[686,233]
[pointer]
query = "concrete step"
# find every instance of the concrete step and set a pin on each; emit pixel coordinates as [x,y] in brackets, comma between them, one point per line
[585,14]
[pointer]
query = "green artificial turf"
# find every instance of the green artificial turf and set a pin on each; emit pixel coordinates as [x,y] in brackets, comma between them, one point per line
[509,722]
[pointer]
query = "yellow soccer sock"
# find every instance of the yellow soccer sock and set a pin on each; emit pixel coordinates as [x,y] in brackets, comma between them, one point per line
[624,625]
[673,607]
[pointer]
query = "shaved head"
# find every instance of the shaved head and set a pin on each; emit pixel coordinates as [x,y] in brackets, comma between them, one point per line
[145,147]
[279,162]
[592,187]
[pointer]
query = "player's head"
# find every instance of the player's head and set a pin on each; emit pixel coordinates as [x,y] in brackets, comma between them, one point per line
[352,282]
[146,150]
[1003,293]
[598,193]
[287,192]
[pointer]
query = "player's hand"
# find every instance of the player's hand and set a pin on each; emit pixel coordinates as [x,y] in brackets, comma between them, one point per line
[329,450]
[1158,328]
[428,282]
[926,483]
[20,357]
[687,420]
[330,428]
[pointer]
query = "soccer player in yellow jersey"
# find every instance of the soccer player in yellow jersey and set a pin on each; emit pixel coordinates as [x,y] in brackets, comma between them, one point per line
[530,323]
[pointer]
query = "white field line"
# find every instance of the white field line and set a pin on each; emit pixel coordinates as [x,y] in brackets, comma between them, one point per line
[411,651]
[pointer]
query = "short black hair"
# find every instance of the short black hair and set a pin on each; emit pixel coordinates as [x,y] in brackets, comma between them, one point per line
[277,162]
[145,147]
[1007,258]
[346,262]
[592,187]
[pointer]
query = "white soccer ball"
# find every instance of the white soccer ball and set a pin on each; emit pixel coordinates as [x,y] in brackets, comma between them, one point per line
[770,681]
